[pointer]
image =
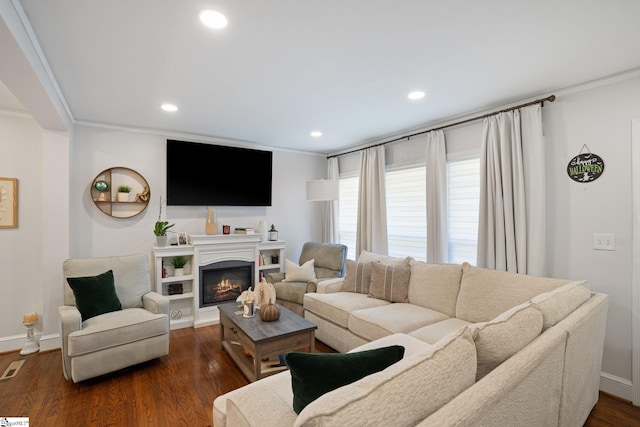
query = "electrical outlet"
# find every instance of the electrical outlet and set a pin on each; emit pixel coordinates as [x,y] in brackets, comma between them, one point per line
[604,241]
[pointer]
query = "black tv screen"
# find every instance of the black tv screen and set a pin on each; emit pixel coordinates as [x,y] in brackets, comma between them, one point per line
[216,175]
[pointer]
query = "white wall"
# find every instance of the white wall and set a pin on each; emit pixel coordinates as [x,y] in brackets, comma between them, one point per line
[21,148]
[30,255]
[601,118]
[95,234]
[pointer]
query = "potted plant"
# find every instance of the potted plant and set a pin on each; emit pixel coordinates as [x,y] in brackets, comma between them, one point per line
[178,263]
[160,229]
[123,193]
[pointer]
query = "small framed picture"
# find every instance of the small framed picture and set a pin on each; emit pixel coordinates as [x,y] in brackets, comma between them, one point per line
[8,202]
[183,239]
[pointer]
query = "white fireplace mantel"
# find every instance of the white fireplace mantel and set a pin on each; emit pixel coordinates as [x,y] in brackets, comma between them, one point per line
[208,249]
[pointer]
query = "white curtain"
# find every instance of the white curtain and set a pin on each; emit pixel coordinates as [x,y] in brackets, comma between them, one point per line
[372,204]
[437,241]
[511,229]
[330,228]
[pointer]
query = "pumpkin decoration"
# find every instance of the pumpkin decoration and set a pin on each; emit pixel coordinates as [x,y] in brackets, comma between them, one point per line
[269,312]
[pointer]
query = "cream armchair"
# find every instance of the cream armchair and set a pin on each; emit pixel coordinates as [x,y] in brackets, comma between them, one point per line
[329,263]
[117,339]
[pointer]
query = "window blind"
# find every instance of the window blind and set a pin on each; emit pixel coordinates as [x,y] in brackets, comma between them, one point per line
[348,213]
[407,212]
[463,181]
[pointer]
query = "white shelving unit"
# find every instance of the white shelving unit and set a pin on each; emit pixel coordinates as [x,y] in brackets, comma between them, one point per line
[268,250]
[181,301]
[184,310]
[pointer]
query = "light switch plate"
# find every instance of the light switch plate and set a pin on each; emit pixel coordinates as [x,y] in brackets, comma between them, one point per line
[604,241]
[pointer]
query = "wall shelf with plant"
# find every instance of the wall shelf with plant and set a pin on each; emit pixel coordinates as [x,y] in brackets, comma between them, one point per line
[106,195]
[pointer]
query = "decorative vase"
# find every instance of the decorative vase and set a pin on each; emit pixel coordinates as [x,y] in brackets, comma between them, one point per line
[211,227]
[178,272]
[262,229]
[269,312]
[161,241]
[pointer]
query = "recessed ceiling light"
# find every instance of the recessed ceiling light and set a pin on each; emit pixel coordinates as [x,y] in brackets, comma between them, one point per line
[213,19]
[316,134]
[416,95]
[169,107]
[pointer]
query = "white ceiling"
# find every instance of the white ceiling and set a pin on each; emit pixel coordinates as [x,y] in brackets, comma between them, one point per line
[283,68]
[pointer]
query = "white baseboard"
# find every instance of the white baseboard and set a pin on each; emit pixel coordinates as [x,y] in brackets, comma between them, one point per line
[15,342]
[12,343]
[206,322]
[617,386]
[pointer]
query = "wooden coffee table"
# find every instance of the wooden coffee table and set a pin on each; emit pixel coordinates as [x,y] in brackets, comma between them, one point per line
[262,340]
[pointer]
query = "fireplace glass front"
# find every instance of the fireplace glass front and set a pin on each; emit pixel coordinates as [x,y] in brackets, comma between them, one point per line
[224,281]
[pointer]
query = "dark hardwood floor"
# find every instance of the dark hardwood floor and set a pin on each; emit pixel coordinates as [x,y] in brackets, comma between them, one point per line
[175,390]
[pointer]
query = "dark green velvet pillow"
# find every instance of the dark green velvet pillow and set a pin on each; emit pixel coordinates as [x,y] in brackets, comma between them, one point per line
[95,295]
[314,374]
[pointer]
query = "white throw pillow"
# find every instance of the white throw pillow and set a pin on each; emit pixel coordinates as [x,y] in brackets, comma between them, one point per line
[302,273]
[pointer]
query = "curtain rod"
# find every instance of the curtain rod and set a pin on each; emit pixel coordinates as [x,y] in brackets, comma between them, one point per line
[550,98]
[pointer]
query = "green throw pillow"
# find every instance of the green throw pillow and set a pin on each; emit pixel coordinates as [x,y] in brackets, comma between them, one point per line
[314,374]
[95,295]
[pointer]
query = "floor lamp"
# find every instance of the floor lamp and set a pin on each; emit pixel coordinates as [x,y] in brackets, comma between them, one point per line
[323,190]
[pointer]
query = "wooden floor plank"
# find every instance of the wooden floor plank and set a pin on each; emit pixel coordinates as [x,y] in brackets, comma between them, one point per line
[175,390]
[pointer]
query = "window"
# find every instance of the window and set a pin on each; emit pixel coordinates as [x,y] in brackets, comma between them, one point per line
[463,206]
[407,212]
[348,213]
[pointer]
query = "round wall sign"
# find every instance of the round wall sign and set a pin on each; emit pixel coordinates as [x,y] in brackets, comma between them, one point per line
[585,167]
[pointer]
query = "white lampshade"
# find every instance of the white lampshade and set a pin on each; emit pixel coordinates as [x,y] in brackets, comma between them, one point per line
[322,189]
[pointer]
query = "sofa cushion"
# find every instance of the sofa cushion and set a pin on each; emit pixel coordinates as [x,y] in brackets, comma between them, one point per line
[115,329]
[504,336]
[299,273]
[314,374]
[358,277]
[95,295]
[411,345]
[435,332]
[390,282]
[559,303]
[337,306]
[485,294]
[420,384]
[377,322]
[435,286]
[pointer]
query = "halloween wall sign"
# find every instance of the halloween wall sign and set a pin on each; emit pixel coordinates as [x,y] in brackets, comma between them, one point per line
[585,167]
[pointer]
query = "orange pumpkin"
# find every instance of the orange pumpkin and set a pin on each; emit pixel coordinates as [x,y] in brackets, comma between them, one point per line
[269,312]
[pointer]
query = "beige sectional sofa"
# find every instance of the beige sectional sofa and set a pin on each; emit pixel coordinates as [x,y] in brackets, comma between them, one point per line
[482,348]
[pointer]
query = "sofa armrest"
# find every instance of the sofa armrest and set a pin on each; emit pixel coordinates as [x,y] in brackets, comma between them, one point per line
[70,321]
[330,285]
[274,277]
[156,303]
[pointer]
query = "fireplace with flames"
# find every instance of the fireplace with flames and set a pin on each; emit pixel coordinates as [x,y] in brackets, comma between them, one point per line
[224,281]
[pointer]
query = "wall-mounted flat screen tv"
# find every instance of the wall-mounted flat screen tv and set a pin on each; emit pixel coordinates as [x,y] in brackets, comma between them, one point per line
[216,175]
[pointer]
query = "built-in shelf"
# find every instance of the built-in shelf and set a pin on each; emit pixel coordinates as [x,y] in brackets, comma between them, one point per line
[181,305]
[174,279]
[184,308]
[186,295]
